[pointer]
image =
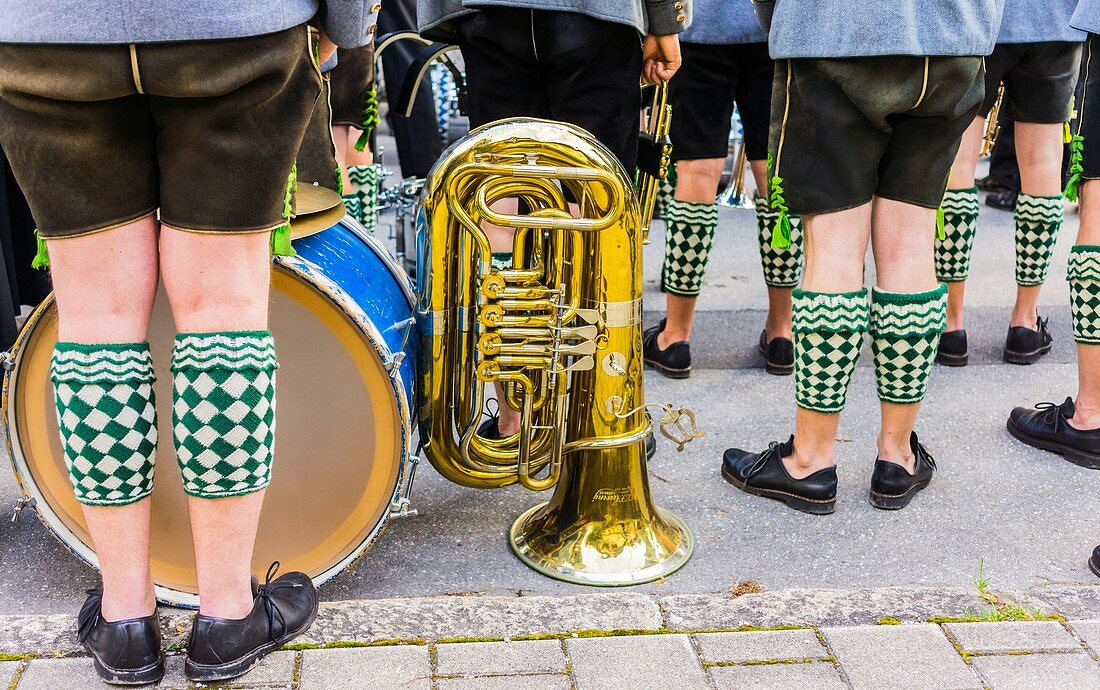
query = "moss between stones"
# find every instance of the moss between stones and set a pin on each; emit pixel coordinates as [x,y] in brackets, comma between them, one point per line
[16,657]
[768,662]
[889,621]
[419,641]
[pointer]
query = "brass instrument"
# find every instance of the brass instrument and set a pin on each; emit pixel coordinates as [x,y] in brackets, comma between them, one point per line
[561,331]
[734,193]
[654,154]
[992,126]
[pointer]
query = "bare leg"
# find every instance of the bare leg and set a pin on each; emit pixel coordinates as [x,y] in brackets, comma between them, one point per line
[105,285]
[1087,414]
[1039,153]
[696,181]
[835,246]
[220,283]
[962,177]
[903,245]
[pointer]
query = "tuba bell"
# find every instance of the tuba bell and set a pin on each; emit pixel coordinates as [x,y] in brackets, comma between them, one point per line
[561,331]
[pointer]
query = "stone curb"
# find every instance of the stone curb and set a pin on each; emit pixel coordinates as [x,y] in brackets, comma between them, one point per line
[476,617]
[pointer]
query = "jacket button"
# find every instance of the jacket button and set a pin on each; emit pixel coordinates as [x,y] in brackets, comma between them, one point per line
[370,30]
[681,17]
[376,7]
[678,6]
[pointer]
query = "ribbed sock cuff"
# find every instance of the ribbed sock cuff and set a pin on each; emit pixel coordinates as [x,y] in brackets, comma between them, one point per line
[1084,293]
[224,411]
[905,332]
[691,228]
[107,420]
[960,223]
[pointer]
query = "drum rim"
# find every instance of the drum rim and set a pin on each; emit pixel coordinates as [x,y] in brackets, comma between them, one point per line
[166,595]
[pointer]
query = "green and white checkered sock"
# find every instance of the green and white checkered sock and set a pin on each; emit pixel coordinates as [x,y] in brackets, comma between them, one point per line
[353,205]
[108,420]
[828,334]
[1084,292]
[960,222]
[223,411]
[690,234]
[782,267]
[1038,219]
[905,331]
[365,180]
[501,261]
[665,189]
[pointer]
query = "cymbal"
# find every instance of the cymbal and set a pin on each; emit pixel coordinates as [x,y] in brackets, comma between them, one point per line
[316,208]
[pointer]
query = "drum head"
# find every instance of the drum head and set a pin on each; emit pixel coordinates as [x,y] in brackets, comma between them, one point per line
[339,443]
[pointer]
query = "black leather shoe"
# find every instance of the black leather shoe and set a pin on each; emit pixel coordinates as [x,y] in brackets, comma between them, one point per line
[1094,562]
[221,648]
[764,474]
[892,487]
[778,354]
[1004,199]
[674,361]
[989,184]
[1046,426]
[952,350]
[1025,346]
[490,428]
[124,652]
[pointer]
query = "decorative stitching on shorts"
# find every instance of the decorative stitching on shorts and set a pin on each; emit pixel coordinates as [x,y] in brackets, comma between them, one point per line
[924,86]
[134,68]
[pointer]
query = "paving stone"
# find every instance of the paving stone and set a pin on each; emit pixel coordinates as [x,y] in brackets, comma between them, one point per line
[434,618]
[1071,601]
[173,674]
[899,657]
[818,675]
[1039,671]
[399,667]
[648,662]
[8,669]
[486,658]
[817,607]
[1012,636]
[52,674]
[1089,631]
[540,682]
[760,646]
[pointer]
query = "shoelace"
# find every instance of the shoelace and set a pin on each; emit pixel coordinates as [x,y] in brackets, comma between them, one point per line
[264,592]
[754,469]
[1052,414]
[928,459]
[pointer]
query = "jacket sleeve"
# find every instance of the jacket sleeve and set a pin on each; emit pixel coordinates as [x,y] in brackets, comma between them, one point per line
[349,23]
[764,10]
[668,16]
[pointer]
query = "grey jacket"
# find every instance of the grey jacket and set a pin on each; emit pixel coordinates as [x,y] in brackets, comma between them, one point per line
[1087,16]
[861,28]
[723,22]
[1032,21]
[347,22]
[659,17]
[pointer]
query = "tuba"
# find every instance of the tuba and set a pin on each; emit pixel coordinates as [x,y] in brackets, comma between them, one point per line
[561,331]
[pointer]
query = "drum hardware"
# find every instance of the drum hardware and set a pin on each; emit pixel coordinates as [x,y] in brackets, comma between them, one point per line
[399,508]
[538,329]
[6,361]
[654,155]
[992,123]
[23,502]
[406,327]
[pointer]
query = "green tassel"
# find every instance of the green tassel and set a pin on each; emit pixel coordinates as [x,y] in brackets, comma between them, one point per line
[42,258]
[781,237]
[1067,136]
[1076,157]
[941,234]
[370,119]
[339,180]
[280,241]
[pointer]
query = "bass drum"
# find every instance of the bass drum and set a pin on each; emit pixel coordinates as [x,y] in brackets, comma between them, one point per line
[342,316]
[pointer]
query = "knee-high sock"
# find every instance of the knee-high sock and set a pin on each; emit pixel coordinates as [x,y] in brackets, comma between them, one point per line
[828,333]
[960,222]
[782,267]
[1038,219]
[224,411]
[665,189]
[108,420]
[1084,291]
[905,331]
[364,179]
[691,229]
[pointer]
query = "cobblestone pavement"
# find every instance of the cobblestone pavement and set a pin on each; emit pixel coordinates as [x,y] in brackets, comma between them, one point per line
[1042,654]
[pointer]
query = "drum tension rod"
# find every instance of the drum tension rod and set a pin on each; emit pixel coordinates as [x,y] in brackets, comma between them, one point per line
[24,502]
[399,507]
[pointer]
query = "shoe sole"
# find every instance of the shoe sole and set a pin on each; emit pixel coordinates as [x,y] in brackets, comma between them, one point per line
[952,360]
[207,673]
[1094,567]
[773,368]
[804,505]
[1074,455]
[152,673]
[896,501]
[1013,357]
[669,371]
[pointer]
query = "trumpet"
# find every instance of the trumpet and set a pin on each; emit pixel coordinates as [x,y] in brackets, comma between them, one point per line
[992,126]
